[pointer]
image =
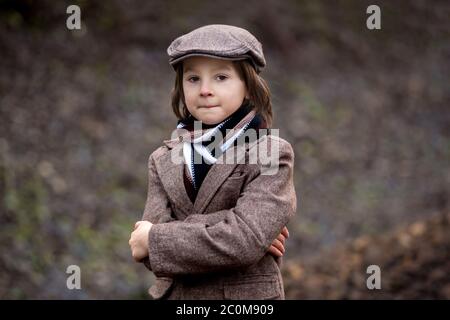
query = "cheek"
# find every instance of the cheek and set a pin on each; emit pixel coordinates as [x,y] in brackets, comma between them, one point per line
[237,95]
[239,90]
[188,96]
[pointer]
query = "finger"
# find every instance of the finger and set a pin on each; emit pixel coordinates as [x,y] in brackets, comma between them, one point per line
[277,244]
[135,255]
[137,224]
[285,232]
[281,238]
[274,251]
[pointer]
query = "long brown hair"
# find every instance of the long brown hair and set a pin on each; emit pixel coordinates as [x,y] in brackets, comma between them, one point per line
[257,89]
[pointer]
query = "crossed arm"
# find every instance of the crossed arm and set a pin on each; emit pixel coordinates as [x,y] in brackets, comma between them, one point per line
[140,249]
[228,237]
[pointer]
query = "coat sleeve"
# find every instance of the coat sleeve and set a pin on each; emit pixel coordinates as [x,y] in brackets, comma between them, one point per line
[228,239]
[157,206]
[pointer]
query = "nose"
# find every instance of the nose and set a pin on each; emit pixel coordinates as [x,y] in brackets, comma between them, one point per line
[205,89]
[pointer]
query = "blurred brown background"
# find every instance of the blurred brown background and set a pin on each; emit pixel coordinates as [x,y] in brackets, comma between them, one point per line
[367,113]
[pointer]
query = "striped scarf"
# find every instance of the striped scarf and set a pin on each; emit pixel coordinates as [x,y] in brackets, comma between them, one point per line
[209,143]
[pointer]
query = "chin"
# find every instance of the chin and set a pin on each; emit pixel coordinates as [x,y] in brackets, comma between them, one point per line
[210,121]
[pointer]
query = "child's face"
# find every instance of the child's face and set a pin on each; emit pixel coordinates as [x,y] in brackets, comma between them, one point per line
[212,88]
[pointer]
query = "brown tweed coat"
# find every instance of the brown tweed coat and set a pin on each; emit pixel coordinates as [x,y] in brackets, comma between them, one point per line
[216,247]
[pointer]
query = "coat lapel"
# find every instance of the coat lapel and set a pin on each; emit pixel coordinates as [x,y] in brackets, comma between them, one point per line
[218,173]
[172,179]
[171,175]
[213,180]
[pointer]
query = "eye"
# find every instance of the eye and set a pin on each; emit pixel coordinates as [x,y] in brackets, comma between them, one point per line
[221,77]
[192,79]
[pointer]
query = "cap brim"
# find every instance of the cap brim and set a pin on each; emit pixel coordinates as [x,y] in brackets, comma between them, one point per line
[174,62]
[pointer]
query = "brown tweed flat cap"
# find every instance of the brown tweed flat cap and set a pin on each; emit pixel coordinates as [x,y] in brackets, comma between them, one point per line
[218,41]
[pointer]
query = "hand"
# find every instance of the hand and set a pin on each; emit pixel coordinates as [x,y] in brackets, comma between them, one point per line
[139,240]
[277,247]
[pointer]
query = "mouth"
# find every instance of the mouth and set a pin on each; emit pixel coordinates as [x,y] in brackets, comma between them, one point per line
[208,107]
